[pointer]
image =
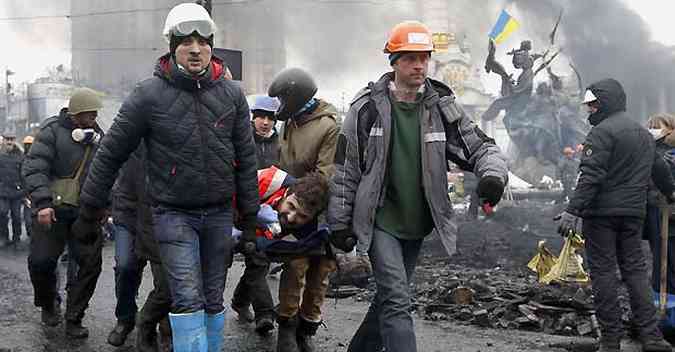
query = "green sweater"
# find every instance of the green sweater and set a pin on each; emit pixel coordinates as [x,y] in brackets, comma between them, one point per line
[405,213]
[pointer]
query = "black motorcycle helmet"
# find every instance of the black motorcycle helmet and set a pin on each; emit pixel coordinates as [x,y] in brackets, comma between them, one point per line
[294,87]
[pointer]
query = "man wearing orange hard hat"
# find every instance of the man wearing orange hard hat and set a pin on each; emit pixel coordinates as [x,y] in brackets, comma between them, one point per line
[387,200]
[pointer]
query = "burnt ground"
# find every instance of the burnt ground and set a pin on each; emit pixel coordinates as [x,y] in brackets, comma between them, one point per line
[492,251]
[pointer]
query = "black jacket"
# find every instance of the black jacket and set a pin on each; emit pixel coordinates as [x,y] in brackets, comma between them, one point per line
[130,206]
[197,135]
[10,174]
[618,160]
[267,149]
[53,155]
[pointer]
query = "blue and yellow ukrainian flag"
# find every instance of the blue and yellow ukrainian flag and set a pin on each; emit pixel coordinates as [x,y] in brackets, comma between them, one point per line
[505,25]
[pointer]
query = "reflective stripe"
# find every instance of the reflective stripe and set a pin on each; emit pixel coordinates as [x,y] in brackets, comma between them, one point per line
[277,182]
[376,132]
[434,137]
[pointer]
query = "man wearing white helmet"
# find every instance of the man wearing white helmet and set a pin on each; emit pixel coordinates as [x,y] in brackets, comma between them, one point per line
[195,124]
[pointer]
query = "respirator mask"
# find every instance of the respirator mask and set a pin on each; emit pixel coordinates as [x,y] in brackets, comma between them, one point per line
[86,136]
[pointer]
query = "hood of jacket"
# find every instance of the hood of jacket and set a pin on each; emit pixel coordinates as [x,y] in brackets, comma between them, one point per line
[167,69]
[322,109]
[612,99]
[433,89]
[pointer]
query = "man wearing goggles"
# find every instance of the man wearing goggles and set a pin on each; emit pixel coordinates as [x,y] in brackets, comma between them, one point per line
[196,128]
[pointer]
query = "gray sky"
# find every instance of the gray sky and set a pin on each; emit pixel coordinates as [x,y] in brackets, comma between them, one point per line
[36,44]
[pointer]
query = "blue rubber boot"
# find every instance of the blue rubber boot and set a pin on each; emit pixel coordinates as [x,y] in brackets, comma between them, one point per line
[189,332]
[214,331]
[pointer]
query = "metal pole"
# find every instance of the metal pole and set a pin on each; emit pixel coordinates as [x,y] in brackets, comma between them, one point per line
[663,297]
[6,117]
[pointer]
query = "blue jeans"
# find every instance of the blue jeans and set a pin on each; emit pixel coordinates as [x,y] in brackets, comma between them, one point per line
[388,322]
[128,274]
[192,246]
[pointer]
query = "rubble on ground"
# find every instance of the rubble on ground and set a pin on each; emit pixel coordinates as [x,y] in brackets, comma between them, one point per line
[495,298]
[487,282]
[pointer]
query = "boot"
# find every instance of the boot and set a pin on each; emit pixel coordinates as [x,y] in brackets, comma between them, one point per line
[146,337]
[51,316]
[244,313]
[286,337]
[165,344]
[306,330]
[119,334]
[214,331]
[607,345]
[264,325]
[189,331]
[656,345]
[75,330]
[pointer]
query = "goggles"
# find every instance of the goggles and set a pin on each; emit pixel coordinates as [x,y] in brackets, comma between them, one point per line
[205,29]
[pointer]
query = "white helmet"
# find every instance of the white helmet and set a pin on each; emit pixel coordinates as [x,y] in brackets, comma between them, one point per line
[187,18]
[589,97]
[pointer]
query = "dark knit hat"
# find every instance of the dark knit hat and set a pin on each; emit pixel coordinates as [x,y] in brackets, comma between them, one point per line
[176,40]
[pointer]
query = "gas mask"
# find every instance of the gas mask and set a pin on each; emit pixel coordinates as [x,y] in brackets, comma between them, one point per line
[86,136]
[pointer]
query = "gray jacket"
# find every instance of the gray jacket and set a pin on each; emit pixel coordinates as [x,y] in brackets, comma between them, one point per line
[357,188]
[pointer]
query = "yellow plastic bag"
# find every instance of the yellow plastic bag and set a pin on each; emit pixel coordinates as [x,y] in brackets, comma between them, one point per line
[569,266]
[543,261]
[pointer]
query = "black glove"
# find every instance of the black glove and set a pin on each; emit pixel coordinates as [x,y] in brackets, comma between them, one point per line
[569,224]
[92,214]
[247,243]
[670,198]
[343,240]
[86,230]
[87,226]
[490,190]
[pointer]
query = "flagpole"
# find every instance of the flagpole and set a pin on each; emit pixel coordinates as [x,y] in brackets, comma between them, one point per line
[4,121]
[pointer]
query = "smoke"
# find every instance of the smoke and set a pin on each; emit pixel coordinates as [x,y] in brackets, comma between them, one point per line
[341,43]
[605,38]
[38,35]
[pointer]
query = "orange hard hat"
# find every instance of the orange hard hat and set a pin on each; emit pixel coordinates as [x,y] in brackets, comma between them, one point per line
[409,36]
[28,140]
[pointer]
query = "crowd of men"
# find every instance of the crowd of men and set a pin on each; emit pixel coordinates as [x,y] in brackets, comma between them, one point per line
[192,174]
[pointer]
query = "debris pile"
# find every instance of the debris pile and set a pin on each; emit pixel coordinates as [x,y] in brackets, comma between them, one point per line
[504,299]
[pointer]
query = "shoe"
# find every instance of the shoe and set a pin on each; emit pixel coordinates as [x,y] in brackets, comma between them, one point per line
[215,323]
[76,330]
[146,338]
[286,337]
[119,334]
[189,331]
[305,334]
[51,316]
[656,345]
[264,325]
[244,313]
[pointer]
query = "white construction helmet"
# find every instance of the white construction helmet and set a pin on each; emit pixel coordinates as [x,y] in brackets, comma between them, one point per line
[187,18]
[589,97]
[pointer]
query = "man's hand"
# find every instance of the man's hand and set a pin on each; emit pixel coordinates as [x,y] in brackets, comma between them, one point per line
[87,226]
[569,224]
[343,240]
[490,190]
[247,243]
[46,216]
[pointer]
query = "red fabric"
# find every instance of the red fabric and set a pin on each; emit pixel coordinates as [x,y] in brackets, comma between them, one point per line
[265,178]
